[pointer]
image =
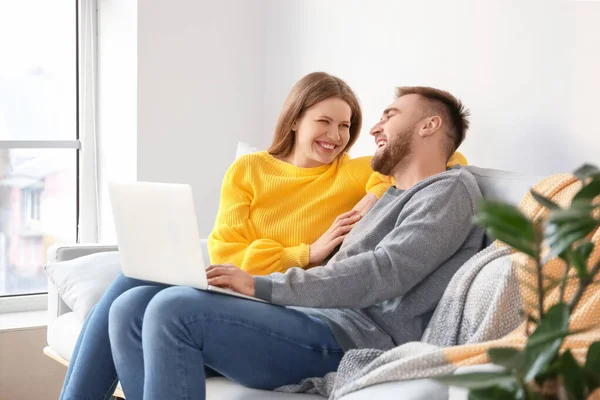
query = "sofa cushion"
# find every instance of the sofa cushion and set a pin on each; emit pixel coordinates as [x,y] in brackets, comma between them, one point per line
[245,148]
[418,389]
[222,388]
[504,186]
[81,282]
[63,333]
[509,187]
[458,393]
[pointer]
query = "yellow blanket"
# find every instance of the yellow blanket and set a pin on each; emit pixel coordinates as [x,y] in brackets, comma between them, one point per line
[561,189]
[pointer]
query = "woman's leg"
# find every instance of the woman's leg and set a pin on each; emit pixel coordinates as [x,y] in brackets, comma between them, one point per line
[91,374]
[125,331]
[256,344]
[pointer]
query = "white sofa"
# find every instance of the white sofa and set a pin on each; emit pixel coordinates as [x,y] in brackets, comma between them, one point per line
[64,326]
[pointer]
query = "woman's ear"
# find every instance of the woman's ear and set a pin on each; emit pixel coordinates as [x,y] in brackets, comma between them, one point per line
[294,126]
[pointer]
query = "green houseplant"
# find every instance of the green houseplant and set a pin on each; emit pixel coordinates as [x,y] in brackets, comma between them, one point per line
[541,370]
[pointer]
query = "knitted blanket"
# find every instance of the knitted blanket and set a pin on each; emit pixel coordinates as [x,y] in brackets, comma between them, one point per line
[479,310]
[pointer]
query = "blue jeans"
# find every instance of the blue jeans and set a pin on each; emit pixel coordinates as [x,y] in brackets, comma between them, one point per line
[164,339]
[91,374]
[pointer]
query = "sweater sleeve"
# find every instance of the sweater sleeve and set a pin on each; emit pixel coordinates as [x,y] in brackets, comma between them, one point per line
[361,172]
[435,224]
[234,239]
[378,184]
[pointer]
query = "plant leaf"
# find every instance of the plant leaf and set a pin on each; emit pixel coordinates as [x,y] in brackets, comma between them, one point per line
[579,256]
[543,344]
[586,171]
[496,222]
[578,209]
[585,249]
[493,393]
[479,380]
[508,357]
[526,393]
[556,231]
[589,191]
[593,357]
[573,377]
[515,242]
[540,359]
[592,378]
[546,202]
[507,215]
[550,373]
[592,366]
[507,223]
[564,236]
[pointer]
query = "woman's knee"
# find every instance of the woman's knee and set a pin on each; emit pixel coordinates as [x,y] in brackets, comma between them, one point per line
[120,285]
[174,306]
[126,309]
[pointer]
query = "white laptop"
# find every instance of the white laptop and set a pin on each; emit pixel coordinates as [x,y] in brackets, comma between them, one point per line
[157,234]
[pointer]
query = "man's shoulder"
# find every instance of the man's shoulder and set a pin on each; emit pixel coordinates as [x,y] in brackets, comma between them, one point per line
[457,182]
[465,178]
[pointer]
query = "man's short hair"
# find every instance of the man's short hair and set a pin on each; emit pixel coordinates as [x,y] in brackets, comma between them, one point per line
[452,111]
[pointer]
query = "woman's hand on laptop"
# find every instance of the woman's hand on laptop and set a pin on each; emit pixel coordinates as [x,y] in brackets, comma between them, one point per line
[228,276]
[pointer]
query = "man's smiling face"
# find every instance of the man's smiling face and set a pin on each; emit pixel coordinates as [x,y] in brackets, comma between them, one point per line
[395,133]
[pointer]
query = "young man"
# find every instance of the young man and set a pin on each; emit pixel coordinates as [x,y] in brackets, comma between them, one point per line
[378,291]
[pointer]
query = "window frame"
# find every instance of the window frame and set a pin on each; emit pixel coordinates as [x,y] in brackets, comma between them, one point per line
[86,17]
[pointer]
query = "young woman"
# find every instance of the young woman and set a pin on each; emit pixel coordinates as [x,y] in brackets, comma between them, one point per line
[275,206]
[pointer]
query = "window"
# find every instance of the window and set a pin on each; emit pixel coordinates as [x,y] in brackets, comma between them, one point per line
[30,202]
[39,141]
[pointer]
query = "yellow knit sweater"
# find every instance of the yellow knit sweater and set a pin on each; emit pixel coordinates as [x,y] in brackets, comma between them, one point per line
[271,211]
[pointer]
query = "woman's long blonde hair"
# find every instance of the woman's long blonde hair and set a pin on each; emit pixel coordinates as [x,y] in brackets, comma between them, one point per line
[307,92]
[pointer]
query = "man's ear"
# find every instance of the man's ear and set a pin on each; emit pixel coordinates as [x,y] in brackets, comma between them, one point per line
[430,126]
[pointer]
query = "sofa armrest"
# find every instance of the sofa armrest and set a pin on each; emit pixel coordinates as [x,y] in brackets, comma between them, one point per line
[57,253]
[62,252]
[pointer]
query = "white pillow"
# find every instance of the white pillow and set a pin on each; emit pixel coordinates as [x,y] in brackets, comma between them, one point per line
[244,148]
[81,282]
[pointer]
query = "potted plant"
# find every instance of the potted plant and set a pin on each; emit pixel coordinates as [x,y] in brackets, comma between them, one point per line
[541,370]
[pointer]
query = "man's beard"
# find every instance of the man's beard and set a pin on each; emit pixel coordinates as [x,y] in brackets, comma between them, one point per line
[395,154]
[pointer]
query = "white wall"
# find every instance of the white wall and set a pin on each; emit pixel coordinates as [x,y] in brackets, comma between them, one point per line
[584,131]
[181,82]
[527,69]
[200,91]
[117,101]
